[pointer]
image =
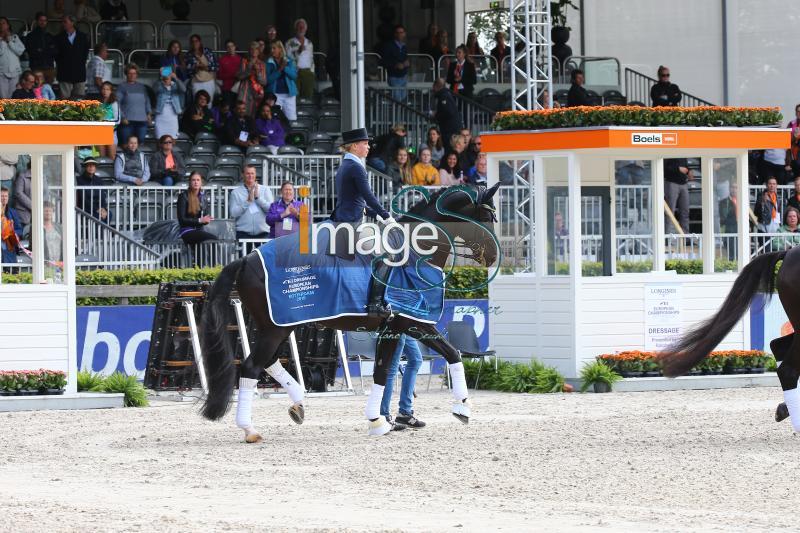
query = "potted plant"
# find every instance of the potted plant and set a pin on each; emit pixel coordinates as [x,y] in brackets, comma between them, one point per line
[559,33]
[54,382]
[650,368]
[28,382]
[7,380]
[599,375]
[756,362]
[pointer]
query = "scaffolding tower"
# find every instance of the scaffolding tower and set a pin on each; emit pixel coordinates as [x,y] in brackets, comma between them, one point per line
[531,66]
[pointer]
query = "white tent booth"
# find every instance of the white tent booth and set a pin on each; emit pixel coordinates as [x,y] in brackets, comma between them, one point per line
[593,261]
[38,326]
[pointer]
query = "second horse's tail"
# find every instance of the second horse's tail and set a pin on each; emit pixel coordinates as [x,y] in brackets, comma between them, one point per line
[758,275]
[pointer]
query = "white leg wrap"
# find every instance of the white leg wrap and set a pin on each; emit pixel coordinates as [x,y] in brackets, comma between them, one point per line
[289,384]
[458,381]
[373,409]
[244,409]
[792,399]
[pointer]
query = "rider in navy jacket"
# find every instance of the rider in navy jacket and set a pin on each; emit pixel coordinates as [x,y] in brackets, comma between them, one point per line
[354,197]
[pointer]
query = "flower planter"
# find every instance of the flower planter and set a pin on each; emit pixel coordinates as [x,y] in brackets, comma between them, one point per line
[52,392]
[756,370]
[651,374]
[626,374]
[6,393]
[27,392]
[601,386]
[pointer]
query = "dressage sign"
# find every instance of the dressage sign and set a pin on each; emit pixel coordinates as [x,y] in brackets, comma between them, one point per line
[662,306]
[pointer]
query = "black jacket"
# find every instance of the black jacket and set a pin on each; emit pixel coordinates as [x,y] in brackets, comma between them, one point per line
[447,115]
[671,172]
[234,126]
[158,169]
[577,95]
[90,201]
[665,94]
[468,77]
[185,220]
[386,146]
[41,47]
[193,127]
[727,216]
[71,57]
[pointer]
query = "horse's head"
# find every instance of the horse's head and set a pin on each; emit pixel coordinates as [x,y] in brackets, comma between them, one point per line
[468,214]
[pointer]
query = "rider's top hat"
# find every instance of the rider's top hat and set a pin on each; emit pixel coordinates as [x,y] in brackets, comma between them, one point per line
[358,134]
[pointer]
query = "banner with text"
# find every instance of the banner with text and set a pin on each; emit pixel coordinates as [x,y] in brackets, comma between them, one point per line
[662,322]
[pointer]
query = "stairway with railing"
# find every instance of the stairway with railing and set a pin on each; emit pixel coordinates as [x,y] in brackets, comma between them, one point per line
[382,111]
[637,89]
[99,245]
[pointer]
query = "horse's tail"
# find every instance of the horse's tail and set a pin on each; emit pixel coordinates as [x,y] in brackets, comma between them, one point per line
[758,275]
[216,344]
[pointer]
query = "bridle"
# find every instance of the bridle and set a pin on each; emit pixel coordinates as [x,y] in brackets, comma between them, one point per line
[475,246]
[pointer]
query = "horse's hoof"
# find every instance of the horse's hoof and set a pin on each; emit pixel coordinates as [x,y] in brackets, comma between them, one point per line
[379,427]
[297,413]
[781,413]
[251,436]
[462,411]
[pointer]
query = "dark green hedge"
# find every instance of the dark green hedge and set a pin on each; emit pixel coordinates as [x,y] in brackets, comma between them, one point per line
[51,110]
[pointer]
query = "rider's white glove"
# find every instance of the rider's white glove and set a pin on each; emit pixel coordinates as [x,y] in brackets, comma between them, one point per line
[386,221]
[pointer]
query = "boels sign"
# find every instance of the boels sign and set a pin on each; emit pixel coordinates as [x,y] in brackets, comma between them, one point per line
[654,139]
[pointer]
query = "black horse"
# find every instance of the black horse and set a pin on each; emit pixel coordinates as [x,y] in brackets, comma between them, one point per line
[758,276]
[457,212]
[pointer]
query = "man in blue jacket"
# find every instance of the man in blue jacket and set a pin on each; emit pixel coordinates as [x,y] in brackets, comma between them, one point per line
[354,198]
[394,58]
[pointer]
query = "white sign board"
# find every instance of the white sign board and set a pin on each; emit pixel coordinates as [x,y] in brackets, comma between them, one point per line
[662,307]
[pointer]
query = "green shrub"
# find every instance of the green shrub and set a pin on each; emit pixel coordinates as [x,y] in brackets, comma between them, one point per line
[89,381]
[520,377]
[597,372]
[548,380]
[135,393]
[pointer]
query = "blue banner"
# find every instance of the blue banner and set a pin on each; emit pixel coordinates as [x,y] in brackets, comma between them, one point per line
[117,338]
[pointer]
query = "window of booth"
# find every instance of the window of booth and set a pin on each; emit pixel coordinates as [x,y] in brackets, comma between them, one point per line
[726,215]
[516,216]
[16,206]
[683,215]
[52,215]
[557,215]
[634,224]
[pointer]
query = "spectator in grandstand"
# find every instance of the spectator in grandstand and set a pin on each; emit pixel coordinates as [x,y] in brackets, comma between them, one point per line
[478,174]
[446,112]
[42,89]
[677,175]
[97,73]
[394,58]
[577,95]
[252,76]
[201,67]
[272,34]
[433,142]
[423,172]
[284,213]
[632,173]
[73,47]
[110,107]
[166,165]
[400,169]
[86,13]
[130,165]
[194,212]
[459,145]
[449,171]
[93,201]
[767,209]
[269,129]
[169,103]
[27,81]
[501,49]
[262,48]
[57,11]
[473,46]
[794,152]
[544,101]
[429,43]
[240,130]
[405,418]
[198,117]
[664,93]
[10,229]
[41,47]
[272,101]
[728,210]
[386,147]
[249,205]
[776,162]
[794,199]
[11,48]
[281,77]
[18,181]
[229,65]
[442,49]
[221,114]
[461,76]
[473,150]
[790,225]
[134,105]
[301,50]
[114,10]
[53,236]
[175,59]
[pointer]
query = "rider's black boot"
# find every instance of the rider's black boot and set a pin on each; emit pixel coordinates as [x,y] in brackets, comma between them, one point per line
[377,288]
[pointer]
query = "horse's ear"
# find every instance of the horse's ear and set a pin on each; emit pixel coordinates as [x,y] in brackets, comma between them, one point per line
[490,192]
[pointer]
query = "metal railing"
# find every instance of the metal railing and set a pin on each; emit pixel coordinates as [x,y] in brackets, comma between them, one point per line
[477,117]
[127,34]
[181,30]
[637,89]
[383,111]
[598,70]
[99,245]
[486,68]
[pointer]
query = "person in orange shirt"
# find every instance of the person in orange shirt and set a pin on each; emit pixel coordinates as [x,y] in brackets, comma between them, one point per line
[424,173]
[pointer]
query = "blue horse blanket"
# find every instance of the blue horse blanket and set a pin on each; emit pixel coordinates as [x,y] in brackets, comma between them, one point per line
[305,288]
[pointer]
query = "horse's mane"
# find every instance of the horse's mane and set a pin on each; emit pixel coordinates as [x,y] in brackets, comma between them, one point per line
[420,205]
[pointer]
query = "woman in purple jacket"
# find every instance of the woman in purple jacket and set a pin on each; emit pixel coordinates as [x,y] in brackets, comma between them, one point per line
[284,214]
[270,129]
